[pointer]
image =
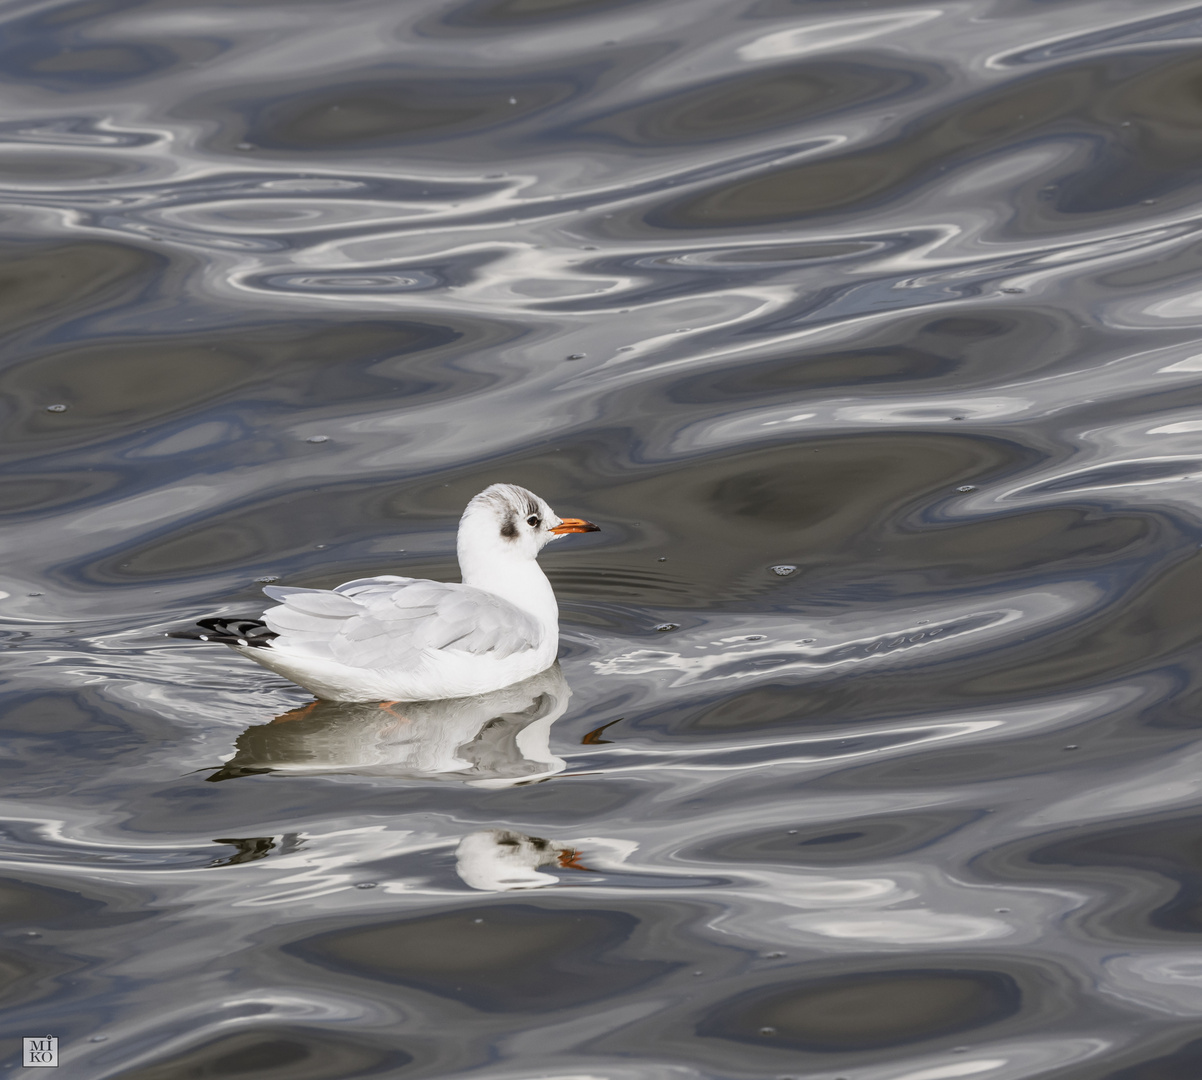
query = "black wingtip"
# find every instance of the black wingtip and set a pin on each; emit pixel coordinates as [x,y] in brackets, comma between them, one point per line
[253,632]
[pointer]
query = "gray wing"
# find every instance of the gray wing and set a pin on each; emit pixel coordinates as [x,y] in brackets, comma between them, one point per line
[385,621]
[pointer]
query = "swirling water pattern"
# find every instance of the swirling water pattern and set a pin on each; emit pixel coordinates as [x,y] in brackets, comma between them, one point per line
[900,299]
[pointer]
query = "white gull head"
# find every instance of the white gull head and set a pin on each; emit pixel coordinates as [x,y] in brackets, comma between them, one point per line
[506,524]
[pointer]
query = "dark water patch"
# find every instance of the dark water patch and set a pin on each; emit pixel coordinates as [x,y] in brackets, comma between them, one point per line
[1156,157]
[69,69]
[931,352]
[109,389]
[259,534]
[502,14]
[49,284]
[380,113]
[757,708]
[801,373]
[511,958]
[24,980]
[38,924]
[1123,858]
[58,737]
[802,489]
[47,492]
[745,105]
[840,843]
[1089,98]
[867,1011]
[1066,540]
[27,167]
[61,50]
[1150,628]
[1179,267]
[1182,1063]
[26,907]
[279,1050]
[618,583]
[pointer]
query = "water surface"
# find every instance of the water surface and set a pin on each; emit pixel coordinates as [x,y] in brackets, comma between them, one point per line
[867,331]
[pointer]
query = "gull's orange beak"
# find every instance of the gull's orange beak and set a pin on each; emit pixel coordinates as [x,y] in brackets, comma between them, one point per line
[575,525]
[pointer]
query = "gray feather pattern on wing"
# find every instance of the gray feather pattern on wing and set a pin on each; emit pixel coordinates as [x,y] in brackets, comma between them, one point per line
[386,621]
[313,601]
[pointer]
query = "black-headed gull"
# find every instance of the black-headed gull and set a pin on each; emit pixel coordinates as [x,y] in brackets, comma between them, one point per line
[393,638]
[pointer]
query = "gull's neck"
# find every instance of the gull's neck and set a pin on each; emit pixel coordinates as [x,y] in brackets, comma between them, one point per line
[515,576]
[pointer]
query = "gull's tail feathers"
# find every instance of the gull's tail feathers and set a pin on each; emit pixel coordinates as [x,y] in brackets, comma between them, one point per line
[229,632]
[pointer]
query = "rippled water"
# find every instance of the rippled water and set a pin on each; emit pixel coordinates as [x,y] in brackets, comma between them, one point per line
[867,331]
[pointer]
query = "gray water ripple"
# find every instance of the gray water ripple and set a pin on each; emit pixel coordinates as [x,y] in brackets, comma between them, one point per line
[901,296]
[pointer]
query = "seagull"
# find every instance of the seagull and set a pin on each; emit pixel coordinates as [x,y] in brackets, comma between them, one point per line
[392,638]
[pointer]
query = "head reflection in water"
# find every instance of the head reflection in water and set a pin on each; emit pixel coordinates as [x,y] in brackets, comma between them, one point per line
[490,740]
[496,860]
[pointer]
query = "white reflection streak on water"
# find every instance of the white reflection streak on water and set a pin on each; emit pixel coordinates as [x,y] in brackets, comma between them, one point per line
[800,644]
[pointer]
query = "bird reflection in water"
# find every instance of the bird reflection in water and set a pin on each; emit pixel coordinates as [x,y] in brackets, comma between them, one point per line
[497,860]
[490,740]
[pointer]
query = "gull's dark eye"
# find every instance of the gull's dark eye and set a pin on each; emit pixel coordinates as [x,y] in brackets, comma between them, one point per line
[534,521]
